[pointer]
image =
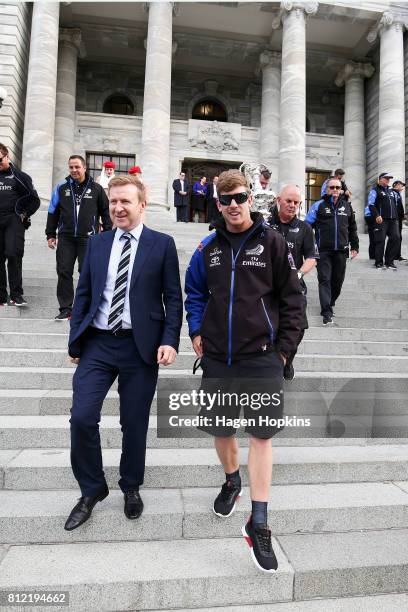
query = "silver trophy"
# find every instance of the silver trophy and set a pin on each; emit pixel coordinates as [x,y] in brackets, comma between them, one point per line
[264,200]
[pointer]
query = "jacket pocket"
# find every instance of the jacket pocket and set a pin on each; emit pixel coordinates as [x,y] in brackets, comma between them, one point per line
[157,316]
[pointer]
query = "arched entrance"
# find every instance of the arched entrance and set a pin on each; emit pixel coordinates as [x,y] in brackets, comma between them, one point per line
[195,169]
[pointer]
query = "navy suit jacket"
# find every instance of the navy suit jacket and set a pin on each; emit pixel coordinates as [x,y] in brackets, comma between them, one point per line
[156,307]
[180,200]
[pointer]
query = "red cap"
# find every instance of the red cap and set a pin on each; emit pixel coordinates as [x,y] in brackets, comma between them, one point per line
[109,164]
[135,170]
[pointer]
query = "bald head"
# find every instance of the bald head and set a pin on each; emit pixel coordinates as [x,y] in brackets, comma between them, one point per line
[289,200]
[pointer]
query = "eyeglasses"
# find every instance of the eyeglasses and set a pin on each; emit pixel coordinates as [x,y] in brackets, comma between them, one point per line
[1,158]
[334,187]
[239,198]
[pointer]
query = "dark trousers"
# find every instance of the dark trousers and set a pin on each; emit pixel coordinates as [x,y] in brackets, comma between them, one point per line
[105,357]
[69,249]
[371,243]
[182,212]
[11,250]
[331,270]
[388,228]
[400,238]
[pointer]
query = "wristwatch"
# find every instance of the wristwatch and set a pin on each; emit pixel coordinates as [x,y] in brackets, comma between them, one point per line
[300,275]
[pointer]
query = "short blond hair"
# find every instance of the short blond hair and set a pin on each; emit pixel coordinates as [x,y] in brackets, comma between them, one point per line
[230,179]
[120,181]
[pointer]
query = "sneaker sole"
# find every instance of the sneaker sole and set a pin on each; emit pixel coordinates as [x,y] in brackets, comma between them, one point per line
[18,305]
[254,559]
[233,507]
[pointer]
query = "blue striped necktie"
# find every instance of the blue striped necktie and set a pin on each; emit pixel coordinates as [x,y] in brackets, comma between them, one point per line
[119,293]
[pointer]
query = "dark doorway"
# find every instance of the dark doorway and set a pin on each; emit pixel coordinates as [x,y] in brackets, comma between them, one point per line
[196,169]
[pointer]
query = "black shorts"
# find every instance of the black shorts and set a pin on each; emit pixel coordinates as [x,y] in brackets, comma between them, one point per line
[243,383]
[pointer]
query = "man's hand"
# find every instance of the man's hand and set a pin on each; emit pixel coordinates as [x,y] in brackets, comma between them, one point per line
[354,254]
[75,360]
[166,355]
[198,346]
[379,219]
[348,193]
[51,243]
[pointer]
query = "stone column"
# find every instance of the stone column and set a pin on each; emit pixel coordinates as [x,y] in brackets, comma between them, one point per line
[352,75]
[391,128]
[38,139]
[270,65]
[292,136]
[68,48]
[156,105]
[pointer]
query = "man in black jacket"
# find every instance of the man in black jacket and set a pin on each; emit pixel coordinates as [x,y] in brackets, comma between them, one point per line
[244,310]
[77,204]
[302,246]
[18,201]
[382,209]
[335,228]
[397,188]
[180,188]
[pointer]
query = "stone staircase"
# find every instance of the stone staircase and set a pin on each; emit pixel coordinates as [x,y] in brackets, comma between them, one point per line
[338,505]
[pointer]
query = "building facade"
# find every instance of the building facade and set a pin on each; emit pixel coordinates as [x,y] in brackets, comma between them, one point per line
[303,87]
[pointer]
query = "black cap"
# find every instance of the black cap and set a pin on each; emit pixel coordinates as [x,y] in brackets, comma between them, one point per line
[398,182]
[385,175]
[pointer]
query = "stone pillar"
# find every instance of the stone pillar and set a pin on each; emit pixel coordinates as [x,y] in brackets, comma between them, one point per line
[391,128]
[38,139]
[68,48]
[354,147]
[270,65]
[154,159]
[292,136]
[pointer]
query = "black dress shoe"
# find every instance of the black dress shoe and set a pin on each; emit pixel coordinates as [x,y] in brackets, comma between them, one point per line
[133,504]
[83,510]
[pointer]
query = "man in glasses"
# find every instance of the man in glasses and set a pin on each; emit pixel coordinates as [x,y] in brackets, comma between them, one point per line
[335,228]
[301,242]
[244,310]
[18,200]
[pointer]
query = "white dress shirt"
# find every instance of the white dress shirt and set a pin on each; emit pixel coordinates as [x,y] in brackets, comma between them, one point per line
[182,185]
[215,194]
[102,315]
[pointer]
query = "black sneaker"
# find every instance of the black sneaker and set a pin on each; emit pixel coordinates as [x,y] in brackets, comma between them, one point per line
[18,301]
[402,259]
[64,315]
[327,320]
[379,266]
[259,541]
[392,267]
[225,502]
[289,372]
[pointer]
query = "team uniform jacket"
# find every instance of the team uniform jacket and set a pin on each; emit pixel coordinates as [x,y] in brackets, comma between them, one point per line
[335,226]
[381,202]
[299,238]
[18,193]
[246,303]
[63,215]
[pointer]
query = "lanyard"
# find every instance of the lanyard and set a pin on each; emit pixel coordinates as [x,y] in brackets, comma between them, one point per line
[75,202]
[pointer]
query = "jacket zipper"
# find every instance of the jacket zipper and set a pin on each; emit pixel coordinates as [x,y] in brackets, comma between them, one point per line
[271,333]
[233,260]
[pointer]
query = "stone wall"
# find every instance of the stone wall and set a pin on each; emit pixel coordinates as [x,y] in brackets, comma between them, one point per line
[324,109]
[15,21]
[371,121]
[406,105]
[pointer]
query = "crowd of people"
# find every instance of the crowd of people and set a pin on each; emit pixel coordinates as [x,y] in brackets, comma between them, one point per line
[245,306]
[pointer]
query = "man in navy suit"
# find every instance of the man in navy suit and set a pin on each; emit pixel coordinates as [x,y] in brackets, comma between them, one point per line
[180,187]
[126,320]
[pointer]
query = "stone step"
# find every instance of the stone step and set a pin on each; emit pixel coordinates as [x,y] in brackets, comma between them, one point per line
[28,431]
[331,361]
[119,576]
[324,380]
[38,516]
[369,603]
[36,332]
[33,469]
